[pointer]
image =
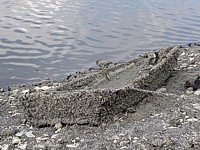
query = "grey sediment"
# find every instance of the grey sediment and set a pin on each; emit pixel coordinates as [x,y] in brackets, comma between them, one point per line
[143,105]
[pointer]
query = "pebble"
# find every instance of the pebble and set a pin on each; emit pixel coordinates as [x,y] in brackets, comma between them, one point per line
[134,141]
[42,138]
[124,143]
[191,55]
[197,92]
[15,91]
[23,146]
[30,134]
[187,117]
[183,53]
[184,64]
[76,140]
[58,126]
[72,145]
[193,66]
[121,134]
[4,147]
[25,91]
[16,140]
[115,137]
[44,88]
[191,59]
[183,96]
[184,113]
[157,115]
[54,136]
[1,90]
[192,120]
[115,141]
[10,112]
[58,130]
[19,134]
[189,91]
[189,68]
[162,89]
[124,147]
[196,106]
[41,147]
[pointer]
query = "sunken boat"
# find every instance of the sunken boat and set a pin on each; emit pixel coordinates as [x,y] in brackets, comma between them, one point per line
[98,95]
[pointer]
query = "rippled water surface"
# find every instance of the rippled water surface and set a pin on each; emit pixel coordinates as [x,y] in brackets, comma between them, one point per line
[51,38]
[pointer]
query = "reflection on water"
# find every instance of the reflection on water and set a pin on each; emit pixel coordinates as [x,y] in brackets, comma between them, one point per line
[52,38]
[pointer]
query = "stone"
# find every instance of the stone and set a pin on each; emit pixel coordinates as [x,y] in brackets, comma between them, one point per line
[44,88]
[25,91]
[16,140]
[42,138]
[54,136]
[162,89]
[189,68]
[187,117]
[124,147]
[75,145]
[191,55]
[115,137]
[193,66]
[192,120]
[184,65]
[58,130]
[115,141]
[40,146]
[19,134]
[189,91]
[58,126]
[30,134]
[1,90]
[124,143]
[4,147]
[197,92]
[181,120]
[22,146]
[192,58]
[122,134]
[196,106]
[183,53]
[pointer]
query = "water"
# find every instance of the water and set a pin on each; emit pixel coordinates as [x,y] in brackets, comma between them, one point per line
[51,38]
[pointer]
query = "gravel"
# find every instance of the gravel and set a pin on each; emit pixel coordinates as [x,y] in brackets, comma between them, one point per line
[170,120]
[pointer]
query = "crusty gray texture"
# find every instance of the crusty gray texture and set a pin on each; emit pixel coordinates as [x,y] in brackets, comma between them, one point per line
[74,102]
[79,107]
[160,72]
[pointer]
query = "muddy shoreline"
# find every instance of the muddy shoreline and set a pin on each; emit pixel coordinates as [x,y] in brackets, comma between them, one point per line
[168,118]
